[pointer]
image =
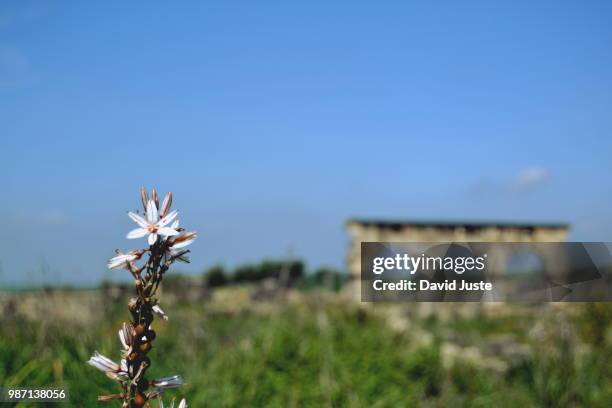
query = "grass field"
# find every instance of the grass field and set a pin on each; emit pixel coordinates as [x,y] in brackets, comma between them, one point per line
[316,349]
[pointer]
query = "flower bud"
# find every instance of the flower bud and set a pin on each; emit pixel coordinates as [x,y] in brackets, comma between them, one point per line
[166,205]
[139,330]
[145,347]
[144,197]
[155,197]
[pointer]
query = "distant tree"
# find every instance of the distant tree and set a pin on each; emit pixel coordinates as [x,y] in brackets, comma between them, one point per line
[269,269]
[216,277]
[246,273]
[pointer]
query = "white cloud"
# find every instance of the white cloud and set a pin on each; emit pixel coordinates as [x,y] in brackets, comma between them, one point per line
[529,179]
[525,181]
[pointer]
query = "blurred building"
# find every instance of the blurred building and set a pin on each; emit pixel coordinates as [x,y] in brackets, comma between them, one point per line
[371,230]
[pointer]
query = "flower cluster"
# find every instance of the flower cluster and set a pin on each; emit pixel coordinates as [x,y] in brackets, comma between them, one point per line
[167,242]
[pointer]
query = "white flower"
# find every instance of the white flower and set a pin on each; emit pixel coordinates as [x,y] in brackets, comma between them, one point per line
[123,260]
[175,244]
[108,366]
[168,382]
[184,239]
[152,224]
[158,310]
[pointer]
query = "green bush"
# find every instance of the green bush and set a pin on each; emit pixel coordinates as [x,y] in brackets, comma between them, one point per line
[216,277]
[269,269]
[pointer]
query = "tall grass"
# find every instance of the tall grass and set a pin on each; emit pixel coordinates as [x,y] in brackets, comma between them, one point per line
[313,352]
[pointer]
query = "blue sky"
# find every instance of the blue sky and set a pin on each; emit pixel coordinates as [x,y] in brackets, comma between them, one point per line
[274,122]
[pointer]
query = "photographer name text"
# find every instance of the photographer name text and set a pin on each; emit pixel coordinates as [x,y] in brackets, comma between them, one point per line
[423,284]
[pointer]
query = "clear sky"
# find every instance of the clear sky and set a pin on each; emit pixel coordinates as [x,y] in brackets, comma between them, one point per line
[274,122]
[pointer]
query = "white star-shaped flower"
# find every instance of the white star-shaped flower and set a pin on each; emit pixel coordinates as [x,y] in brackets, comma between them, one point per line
[109,367]
[123,260]
[152,224]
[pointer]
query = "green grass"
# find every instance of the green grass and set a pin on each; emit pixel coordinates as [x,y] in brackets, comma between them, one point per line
[315,352]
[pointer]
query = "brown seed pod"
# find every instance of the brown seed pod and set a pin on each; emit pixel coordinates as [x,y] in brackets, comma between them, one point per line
[145,347]
[139,400]
[139,329]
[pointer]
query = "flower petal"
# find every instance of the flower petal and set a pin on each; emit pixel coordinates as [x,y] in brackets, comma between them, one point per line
[152,239]
[138,219]
[168,382]
[152,215]
[184,239]
[126,336]
[158,310]
[117,261]
[167,232]
[137,233]
[167,219]
[103,363]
